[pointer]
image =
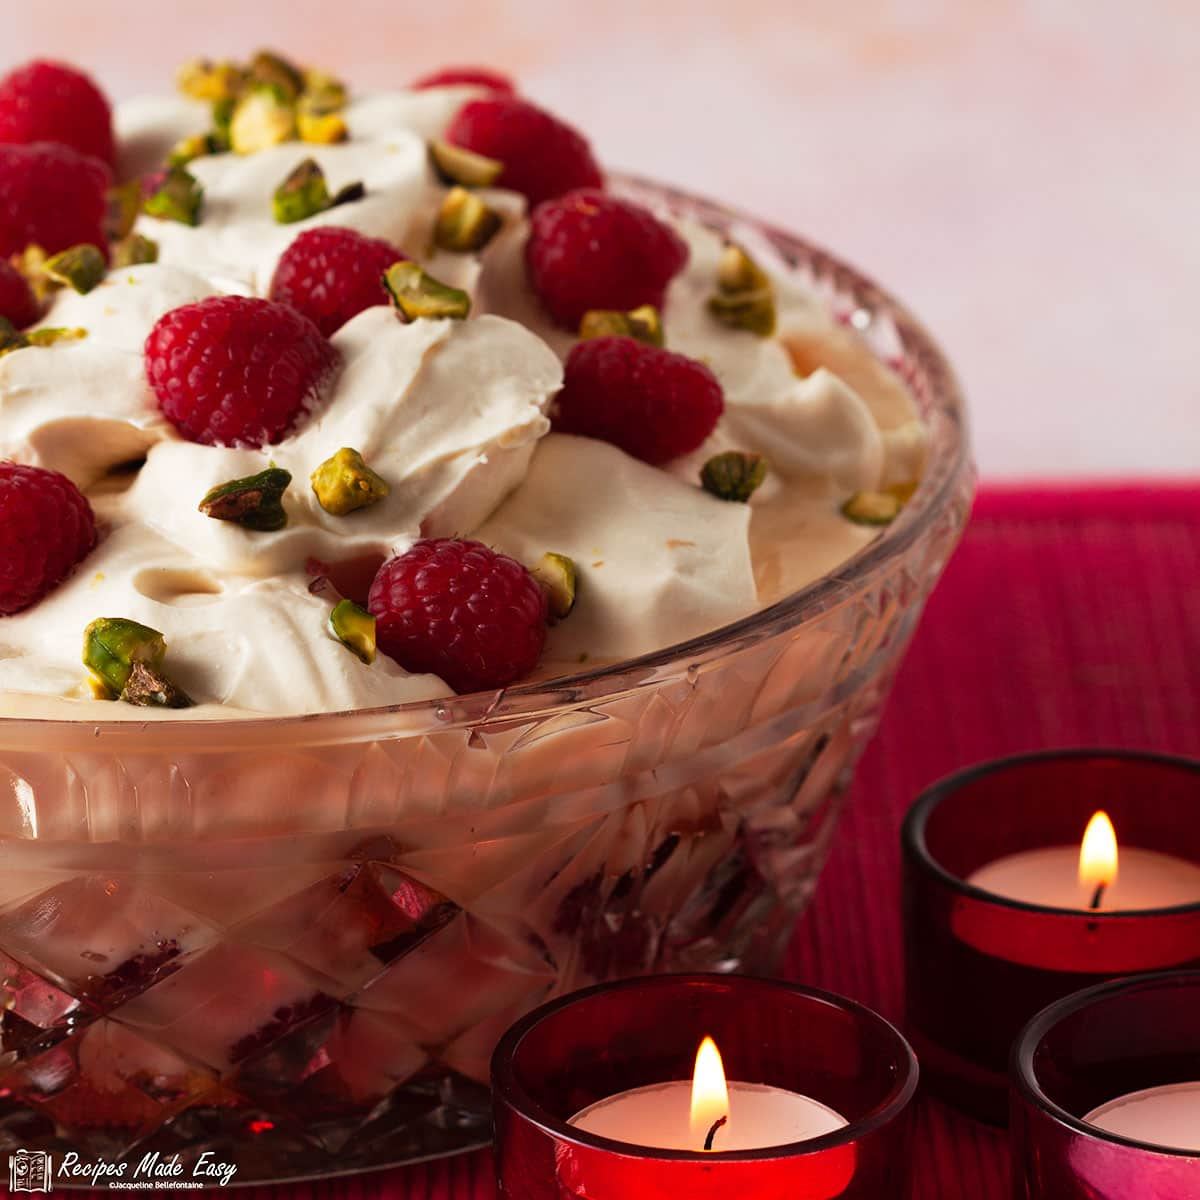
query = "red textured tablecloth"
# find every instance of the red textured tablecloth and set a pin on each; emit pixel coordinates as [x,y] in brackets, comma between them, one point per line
[1066,618]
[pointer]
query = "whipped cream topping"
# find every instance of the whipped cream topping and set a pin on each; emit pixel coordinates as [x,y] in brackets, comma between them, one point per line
[453,414]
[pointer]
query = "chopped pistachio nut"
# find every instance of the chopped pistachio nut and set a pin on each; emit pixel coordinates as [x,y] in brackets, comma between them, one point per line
[348,193]
[745,296]
[134,249]
[262,118]
[464,222]
[222,117]
[416,293]
[31,262]
[559,579]
[275,71]
[345,483]
[644,324]
[52,336]
[81,267]
[255,502]
[124,204]
[738,272]
[11,338]
[205,80]
[734,475]
[456,165]
[872,508]
[304,193]
[320,128]
[904,491]
[178,197]
[149,688]
[111,645]
[354,627]
[330,90]
[201,144]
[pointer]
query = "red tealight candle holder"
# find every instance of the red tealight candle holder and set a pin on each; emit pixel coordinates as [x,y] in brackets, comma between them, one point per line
[980,965]
[596,1044]
[1096,1050]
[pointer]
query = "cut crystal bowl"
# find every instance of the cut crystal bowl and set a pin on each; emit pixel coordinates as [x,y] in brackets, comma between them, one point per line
[293,942]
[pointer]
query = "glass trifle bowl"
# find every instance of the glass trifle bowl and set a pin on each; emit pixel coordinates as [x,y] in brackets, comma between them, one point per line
[294,941]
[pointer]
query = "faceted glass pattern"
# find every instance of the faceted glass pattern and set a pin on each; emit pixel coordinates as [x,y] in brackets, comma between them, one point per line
[296,941]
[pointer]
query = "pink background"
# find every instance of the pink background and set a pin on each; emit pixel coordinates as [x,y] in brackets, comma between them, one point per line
[1026,175]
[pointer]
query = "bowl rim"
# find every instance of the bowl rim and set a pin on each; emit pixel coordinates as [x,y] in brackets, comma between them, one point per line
[946,475]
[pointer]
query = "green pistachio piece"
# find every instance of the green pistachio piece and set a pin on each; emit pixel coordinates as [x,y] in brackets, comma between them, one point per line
[738,272]
[275,70]
[330,91]
[81,267]
[303,194]
[344,483]
[745,296]
[904,491]
[147,687]
[52,336]
[262,118]
[751,311]
[198,146]
[124,204]
[349,193]
[11,338]
[872,508]
[178,197]
[320,128]
[456,165]
[416,293]
[31,262]
[464,222]
[134,249]
[222,118]
[111,645]
[255,502]
[559,580]
[733,475]
[205,80]
[354,627]
[642,323]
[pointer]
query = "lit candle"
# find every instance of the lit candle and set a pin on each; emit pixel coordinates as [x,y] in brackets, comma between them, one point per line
[1091,877]
[1163,1116]
[708,1113]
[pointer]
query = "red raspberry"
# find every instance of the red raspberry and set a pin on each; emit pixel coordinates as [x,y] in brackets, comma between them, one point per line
[17,301]
[461,611]
[236,370]
[331,274]
[52,102]
[53,196]
[482,77]
[46,528]
[542,156]
[654,404]
[591,250]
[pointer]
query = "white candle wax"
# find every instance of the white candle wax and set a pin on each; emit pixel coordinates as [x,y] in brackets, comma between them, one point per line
[1164,1116]
[660,1116]
[1050,876]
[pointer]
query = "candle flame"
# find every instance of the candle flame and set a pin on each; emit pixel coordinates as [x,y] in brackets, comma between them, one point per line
[710,1096]
[1098,853]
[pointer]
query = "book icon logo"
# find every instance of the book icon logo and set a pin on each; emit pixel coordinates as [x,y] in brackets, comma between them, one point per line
[29,1171]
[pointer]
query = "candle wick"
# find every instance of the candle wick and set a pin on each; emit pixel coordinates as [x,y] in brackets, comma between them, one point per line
[712,1133]
[1098,895]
